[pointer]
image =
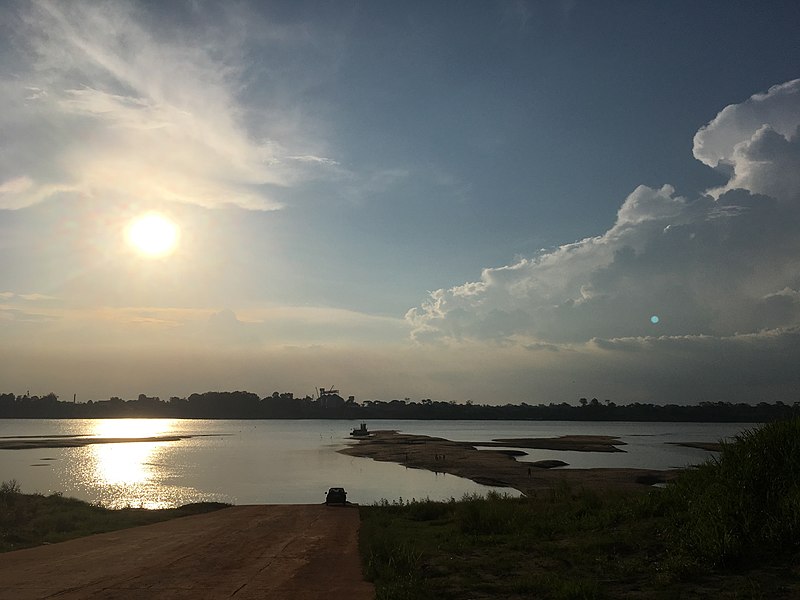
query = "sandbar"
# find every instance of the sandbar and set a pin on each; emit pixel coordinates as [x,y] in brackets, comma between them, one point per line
[575,443]
[77,441]
[709,446]
[494,468]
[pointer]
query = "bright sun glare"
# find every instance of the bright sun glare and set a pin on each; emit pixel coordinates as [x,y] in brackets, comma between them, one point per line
[153,235]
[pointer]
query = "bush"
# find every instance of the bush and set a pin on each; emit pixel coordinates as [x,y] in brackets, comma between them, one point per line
[744,503]
[9,488]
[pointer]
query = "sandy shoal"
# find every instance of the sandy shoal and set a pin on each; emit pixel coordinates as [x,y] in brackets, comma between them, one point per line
[498,468]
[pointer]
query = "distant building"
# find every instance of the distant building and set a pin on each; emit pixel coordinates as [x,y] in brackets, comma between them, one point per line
[330,398]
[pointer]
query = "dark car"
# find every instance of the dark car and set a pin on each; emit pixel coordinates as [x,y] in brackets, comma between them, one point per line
[336,496]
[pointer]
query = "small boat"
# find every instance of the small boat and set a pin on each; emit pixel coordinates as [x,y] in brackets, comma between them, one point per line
[360,431]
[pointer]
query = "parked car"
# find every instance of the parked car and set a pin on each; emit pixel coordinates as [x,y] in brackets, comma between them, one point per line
[336,495]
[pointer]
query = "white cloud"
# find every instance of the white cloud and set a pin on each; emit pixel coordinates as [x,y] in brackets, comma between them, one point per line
[17,185]
[22,316]
[32,297]
[715,143]
[758,141]
[319,160]
[109,103]
[768,163]
[18,192]
[705,266]
[119,328]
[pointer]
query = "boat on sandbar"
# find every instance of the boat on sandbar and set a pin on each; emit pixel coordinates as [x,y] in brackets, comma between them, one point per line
[361,431]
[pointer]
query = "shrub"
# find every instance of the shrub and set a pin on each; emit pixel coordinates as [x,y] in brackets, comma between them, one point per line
[9,488]
[743,503]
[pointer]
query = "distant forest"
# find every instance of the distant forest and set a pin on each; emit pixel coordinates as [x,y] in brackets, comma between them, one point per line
[246,405]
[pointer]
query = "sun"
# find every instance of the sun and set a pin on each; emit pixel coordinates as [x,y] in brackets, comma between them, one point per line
[153,235]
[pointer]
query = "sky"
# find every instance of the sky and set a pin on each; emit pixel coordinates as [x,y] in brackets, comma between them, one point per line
[512,201]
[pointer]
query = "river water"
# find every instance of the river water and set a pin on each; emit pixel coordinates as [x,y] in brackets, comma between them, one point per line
[287,462]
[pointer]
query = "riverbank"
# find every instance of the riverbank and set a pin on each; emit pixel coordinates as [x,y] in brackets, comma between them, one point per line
[499,468]
[725,529]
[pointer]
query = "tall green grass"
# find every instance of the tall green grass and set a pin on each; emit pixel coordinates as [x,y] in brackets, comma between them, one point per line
[493,515]
[743,504]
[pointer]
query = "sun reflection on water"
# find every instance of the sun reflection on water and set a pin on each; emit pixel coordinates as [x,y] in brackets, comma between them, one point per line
[130,472]
[132,428]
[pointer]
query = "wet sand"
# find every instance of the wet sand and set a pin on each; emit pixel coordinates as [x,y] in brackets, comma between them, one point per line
[497,468]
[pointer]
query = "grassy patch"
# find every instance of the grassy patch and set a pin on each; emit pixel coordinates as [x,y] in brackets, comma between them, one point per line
[33,519]
[728,529]
[741,507]
[563,545]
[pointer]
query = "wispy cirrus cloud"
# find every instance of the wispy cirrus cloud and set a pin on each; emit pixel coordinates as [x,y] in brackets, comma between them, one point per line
[110,101]
[30,297]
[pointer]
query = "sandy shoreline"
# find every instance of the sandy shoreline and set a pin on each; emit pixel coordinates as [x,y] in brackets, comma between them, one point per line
[499,468]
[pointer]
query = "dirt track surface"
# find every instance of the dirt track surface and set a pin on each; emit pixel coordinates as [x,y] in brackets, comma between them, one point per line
[242,552]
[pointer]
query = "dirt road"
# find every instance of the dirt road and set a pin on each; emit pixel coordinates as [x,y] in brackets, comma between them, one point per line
[242,552]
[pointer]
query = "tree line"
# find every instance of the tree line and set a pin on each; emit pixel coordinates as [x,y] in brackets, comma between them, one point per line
[247,405]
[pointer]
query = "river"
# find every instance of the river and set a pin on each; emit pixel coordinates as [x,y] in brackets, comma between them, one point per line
[295,461]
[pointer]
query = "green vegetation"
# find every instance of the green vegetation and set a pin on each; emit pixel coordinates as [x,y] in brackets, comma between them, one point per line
[728,529]
[743,505]
[32,519]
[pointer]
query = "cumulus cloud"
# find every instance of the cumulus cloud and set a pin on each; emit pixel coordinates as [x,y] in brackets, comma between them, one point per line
[758,141]
[725,263]
[716,142]
[110,101]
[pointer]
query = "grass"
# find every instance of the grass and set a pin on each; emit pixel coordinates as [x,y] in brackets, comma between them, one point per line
[742,506]
[562,545]
[728,529]
[28,520]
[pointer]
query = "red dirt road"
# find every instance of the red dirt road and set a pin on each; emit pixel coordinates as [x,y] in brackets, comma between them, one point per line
[301,552]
